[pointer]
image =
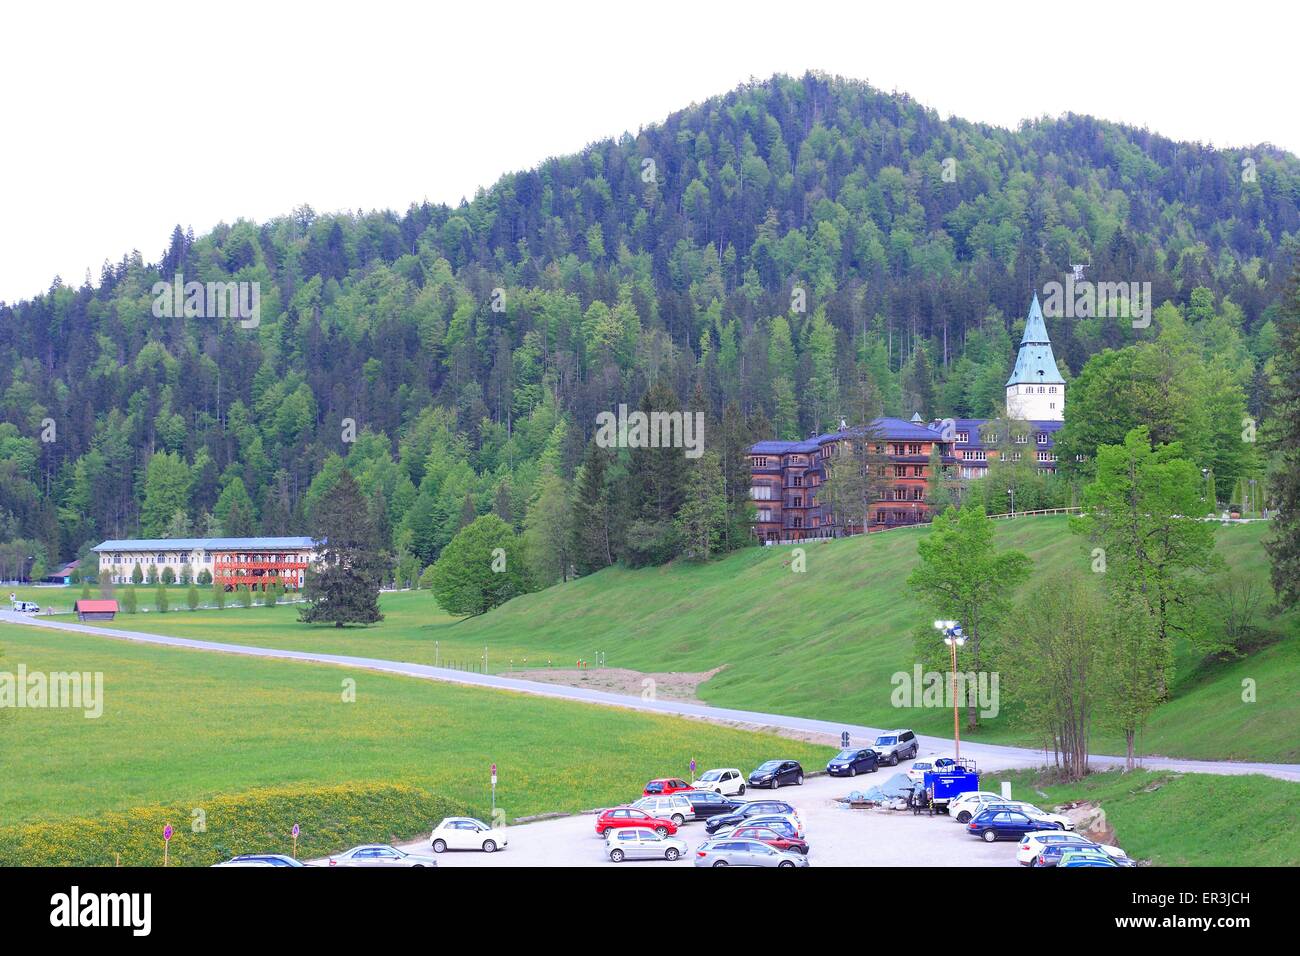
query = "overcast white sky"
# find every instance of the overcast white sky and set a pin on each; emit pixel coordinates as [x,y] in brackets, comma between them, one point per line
[120,120]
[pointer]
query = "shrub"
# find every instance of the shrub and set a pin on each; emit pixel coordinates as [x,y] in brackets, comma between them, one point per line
[256,821]
[204,578]
[245,596]
[160,598]
[168,576]
[130,602]
[219,596]
[192,598]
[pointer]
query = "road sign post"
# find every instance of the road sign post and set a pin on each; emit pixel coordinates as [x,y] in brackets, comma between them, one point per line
[167,842]
[494,791]
[295,831]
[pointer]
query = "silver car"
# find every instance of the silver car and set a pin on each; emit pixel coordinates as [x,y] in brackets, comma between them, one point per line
[673,807]
[729,852]
[642,843]
[380,854]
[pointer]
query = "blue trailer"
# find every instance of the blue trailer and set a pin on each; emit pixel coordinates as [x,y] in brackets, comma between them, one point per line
[945,785]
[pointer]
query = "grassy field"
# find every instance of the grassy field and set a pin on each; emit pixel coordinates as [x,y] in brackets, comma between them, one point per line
[821,643]
[1185,819]
[179,727]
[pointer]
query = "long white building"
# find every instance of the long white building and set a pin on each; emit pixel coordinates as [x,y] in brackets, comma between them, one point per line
[256,563]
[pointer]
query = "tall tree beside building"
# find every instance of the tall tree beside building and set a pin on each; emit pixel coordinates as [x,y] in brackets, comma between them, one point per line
[964,577]
[657,482]
[342,584]
[592,514]
[702,518]
[1282,438]
[733,444]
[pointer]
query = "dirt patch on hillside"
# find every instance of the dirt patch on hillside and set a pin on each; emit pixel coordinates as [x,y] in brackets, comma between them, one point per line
[669,685]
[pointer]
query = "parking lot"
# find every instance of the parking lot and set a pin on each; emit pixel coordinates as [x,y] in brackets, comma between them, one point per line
[838,835]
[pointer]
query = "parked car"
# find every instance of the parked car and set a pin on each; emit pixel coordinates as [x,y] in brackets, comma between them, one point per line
[995,824]
[261,859]
[665,785]
[620,817]
[707,803]
[1058,819]
[1086,857]
[777,773]
[725,780]
[1032,844]
[1054,853]
[896,745]
[782,824]
[642,843]
[382,855]
[26,607]
[466,833]
[916,773]
[770,836]
[963,807]
[676,807]
[748,811]
[850,763]
[729,852]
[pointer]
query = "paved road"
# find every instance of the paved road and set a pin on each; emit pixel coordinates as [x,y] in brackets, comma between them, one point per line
[838,836]
[989,756]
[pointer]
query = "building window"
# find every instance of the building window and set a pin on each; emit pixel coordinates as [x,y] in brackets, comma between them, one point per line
[760,461]
[761,492]
[963,437]
[1021,439]
[916,471]
[797,481]
[796,521]
[1042,438]
[1051,390]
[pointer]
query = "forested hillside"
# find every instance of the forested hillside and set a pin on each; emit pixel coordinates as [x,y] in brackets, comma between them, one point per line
[759,255]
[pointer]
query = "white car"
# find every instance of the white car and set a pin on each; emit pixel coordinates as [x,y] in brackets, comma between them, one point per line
[1031,844]
[966,802]
[25,607]
[916,773]
[380,855]
[727,781]
[466,833]
[1028,809]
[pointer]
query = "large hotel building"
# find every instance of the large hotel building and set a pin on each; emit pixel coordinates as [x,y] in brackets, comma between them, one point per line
[786,476]
[255,563]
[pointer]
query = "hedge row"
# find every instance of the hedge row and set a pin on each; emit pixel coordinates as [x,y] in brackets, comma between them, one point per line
[211,830]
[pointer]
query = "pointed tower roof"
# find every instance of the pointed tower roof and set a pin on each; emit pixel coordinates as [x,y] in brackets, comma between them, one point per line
[1035,364]
[1035,330]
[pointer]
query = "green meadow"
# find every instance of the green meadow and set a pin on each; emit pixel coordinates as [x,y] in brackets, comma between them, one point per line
[823,642]
[179,726]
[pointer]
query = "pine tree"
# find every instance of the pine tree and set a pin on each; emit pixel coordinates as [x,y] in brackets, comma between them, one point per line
[342,585]
[703,514]
[657,484]
[160,598]
[591,515]
[192,598]
[130,601]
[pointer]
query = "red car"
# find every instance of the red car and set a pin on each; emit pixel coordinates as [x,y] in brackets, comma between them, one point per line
[770,837]
[632,817]
[665,786]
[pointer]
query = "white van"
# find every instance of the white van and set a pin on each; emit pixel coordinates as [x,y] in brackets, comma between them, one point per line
[25,607]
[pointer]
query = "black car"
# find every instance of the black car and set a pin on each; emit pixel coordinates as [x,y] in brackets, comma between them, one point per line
[709,804]
[755,808]
[850,763]
[777,773]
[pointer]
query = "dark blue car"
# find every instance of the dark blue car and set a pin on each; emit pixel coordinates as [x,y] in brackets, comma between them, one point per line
[850,763]
[1006,824]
